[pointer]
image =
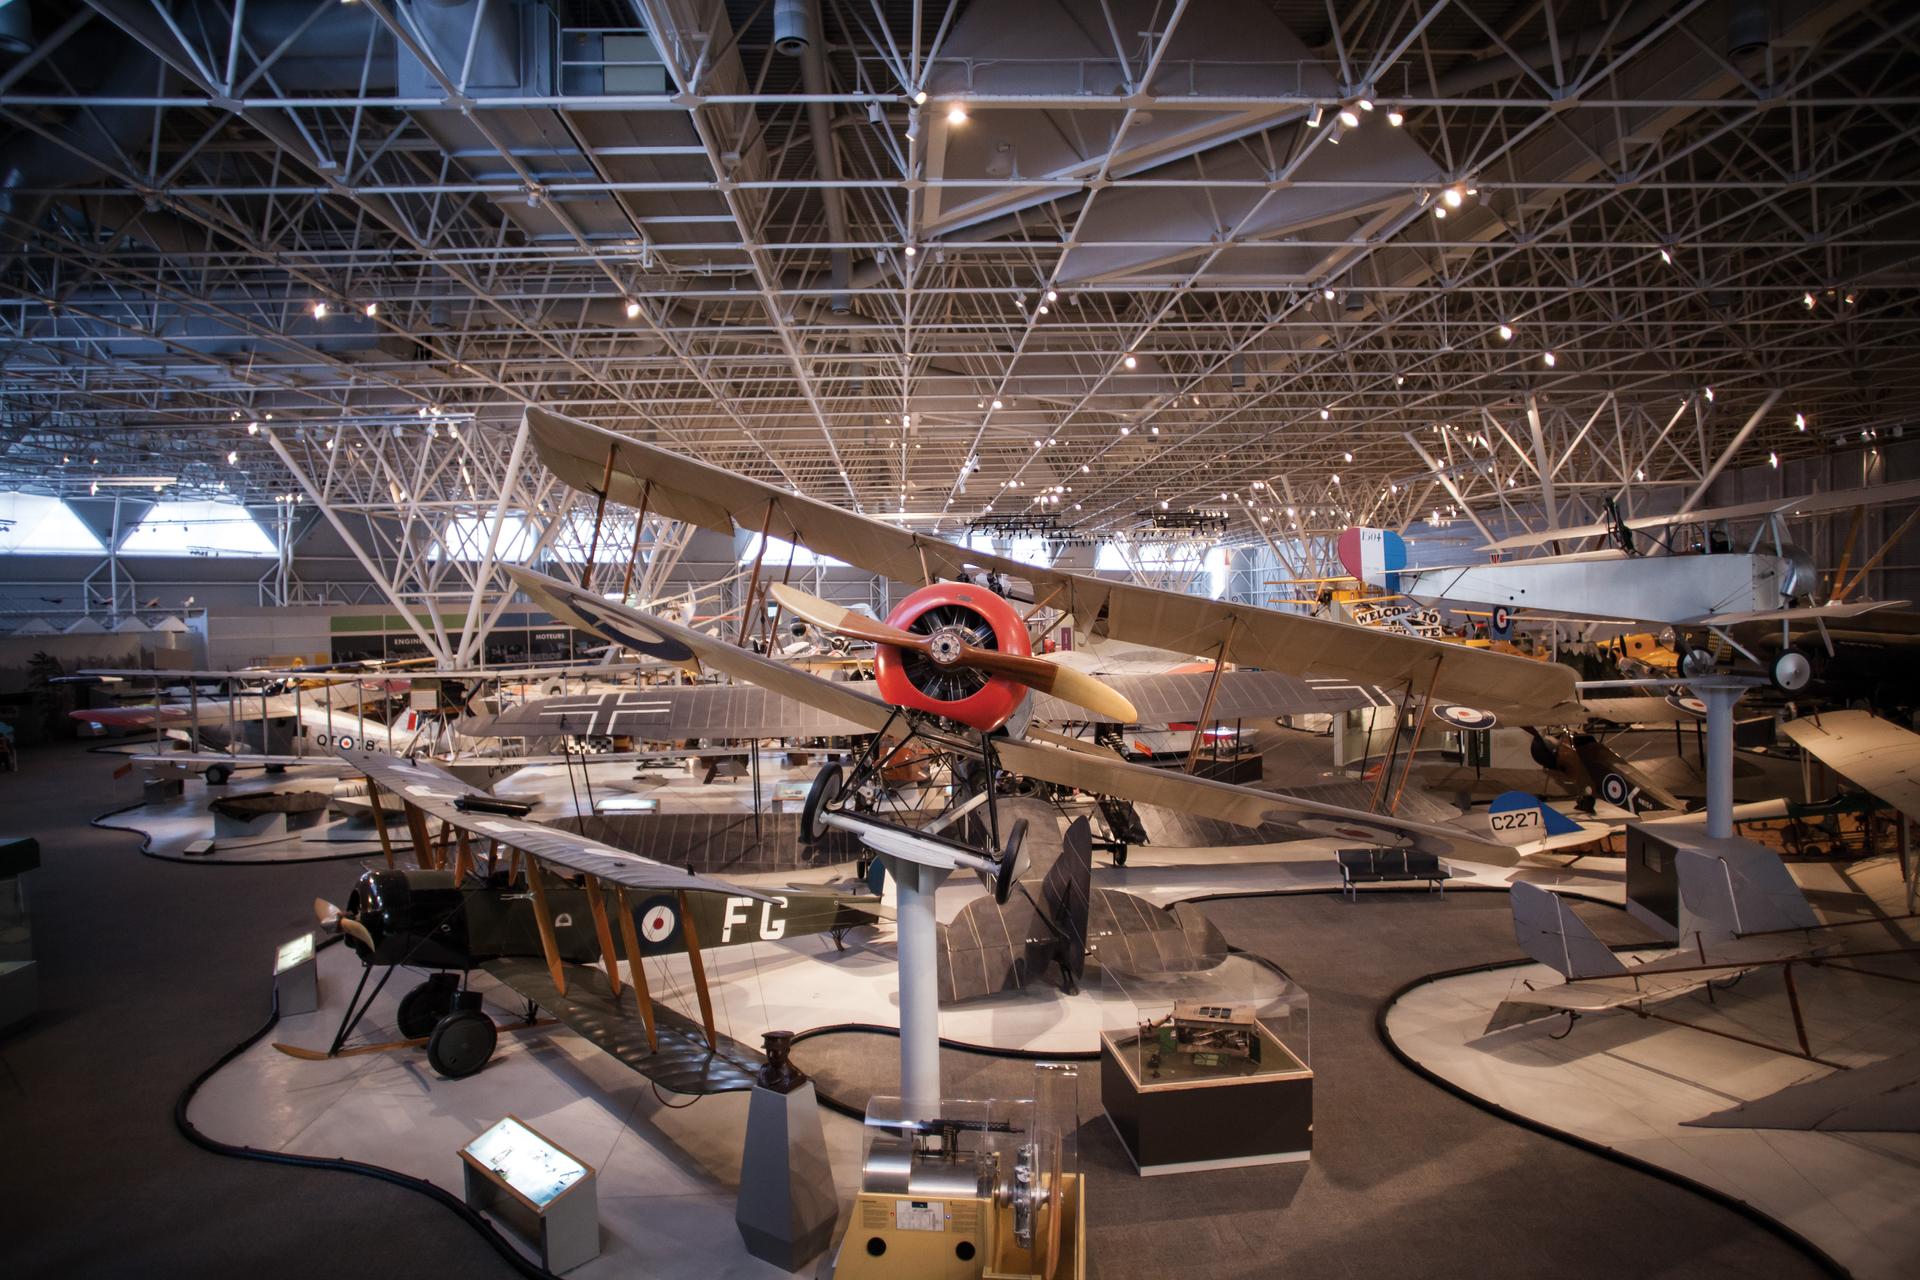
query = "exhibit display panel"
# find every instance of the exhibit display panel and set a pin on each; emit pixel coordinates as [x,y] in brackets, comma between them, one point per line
[19,973]
[548,1195]
[1198,1070]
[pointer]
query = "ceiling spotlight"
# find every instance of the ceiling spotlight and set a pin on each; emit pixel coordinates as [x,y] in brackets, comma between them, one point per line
[1348,118]
[373,309]
[1800,421]
[1773,460]
[1327,294]
[1085,469]
[996,403]
[1666,257]
[1126,431]
[1156,431]
[1806,300]
[319,311]
[1399,379]
[1325,414]
[1709,395]
[1549,359]
[920,98]
[633,308]
[1365,104]
[1336,478]
[1314,117]
[93,488]
[253,428]
[233,456]
[1043,308]
[1052,296]
[956,114]
[1439,211]
[1346,457]
[1394,117]
[1130,361]
[1452,197]
[1506,333]
[910,250]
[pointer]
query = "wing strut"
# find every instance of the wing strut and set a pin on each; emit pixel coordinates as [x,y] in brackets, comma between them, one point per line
[543,917]
[422,838]
[463,857]
[631,940]
[380,821]
[597,905]
[1213,690]
[699,968]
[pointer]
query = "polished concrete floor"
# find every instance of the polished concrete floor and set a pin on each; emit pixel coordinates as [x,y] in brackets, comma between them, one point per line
[151,970]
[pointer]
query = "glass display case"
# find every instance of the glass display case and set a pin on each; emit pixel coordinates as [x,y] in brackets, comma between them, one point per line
[1209,1067]
[986,1187]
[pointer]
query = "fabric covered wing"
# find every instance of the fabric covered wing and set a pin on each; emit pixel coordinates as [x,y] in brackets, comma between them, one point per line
[1519,690]
[1131,935]
[989,948]
[435,791]
[1873,754]
[668,713]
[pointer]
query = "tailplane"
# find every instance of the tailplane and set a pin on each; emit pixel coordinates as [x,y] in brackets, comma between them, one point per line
[1548,931]
[1724,895]
[1516,817]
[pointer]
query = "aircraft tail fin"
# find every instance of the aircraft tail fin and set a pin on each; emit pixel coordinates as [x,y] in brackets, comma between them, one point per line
[1548,931]
[1375,556]
[1517,817]
[1732,892]
[1619,783]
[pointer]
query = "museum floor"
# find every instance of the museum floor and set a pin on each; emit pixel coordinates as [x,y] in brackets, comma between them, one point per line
[151,970]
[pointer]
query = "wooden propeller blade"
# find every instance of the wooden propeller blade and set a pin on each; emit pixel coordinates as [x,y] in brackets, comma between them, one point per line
[326,913]
[1065,683]
[832,617]
[357,931]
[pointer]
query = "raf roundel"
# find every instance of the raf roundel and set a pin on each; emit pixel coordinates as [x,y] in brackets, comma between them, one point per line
[1502,618]
[659,923]
[1614,790]
[1465,717]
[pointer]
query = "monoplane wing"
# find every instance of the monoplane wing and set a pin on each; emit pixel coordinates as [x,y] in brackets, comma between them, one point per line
[1802,613]
[1518,690]
[1873,754]
[439,794]
[1085,769]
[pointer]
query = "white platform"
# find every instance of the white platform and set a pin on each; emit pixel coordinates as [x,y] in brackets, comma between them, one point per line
[667,1176]
[1628,1083]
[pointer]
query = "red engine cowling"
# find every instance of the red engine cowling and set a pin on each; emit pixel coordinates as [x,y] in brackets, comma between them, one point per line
[918,683]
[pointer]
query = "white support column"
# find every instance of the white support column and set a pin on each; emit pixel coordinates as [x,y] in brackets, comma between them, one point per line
[1720,697]
[917,943]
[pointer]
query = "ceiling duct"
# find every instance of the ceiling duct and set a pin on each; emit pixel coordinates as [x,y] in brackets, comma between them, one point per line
[796,33]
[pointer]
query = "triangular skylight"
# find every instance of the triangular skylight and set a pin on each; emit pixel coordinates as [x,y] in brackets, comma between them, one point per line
[33,524]
[206,529]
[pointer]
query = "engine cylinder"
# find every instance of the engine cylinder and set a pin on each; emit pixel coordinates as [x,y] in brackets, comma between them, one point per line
[951,614]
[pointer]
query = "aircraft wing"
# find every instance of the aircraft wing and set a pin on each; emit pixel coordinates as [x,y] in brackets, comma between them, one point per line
[1806,613]
[435,791]
[1873,754]
[1878,495]
[637,474]
[1596,995]
[1179,697]
[1083,767]
[667,713]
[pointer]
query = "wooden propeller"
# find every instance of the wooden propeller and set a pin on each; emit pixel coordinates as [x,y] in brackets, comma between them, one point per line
[1035,673]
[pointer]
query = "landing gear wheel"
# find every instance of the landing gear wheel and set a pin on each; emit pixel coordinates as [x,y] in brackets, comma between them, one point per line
[1009,862]
[217,775]
[462,1041]
[820,797]
[422,1008]
[1120,856]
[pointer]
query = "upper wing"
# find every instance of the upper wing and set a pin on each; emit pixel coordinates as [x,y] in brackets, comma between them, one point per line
[1878,495]
[1179,697]
[638,474]
[1084,768]
[1872,753]
[668,713]
[434,791]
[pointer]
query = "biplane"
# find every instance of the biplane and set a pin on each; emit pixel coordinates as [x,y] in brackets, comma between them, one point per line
[549,914]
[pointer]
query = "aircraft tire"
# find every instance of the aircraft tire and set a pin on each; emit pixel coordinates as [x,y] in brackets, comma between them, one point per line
[461,1043]
[217,775]
[825,790]
[422,1008]
[1120,856]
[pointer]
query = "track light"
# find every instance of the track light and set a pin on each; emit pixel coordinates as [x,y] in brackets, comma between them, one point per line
[1549,359]
[1325,414]
[233,456]
[1327,294]
[1452,197]
[1439,211]
[1130,361]
[1800,421]
[1806,300]
[633,308]
[1506,333]
[319,311]
[1052,296]
[1773,460]
[1346,457]
[1709,391]
[956,114]
[1394,117]
[373,309]
[1348,118]
[910,250]
[1666,257]
[996,403]
[1314,117]
[253,428]
[920,98]
[1365,104]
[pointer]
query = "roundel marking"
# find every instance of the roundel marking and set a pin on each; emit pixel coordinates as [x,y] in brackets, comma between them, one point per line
[1614,789]
[634,634]
[1502,617]
[1465,717]
[658,922]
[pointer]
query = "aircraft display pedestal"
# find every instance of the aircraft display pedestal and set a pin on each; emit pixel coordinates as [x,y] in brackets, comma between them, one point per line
[787,1208]
[1190,1125]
